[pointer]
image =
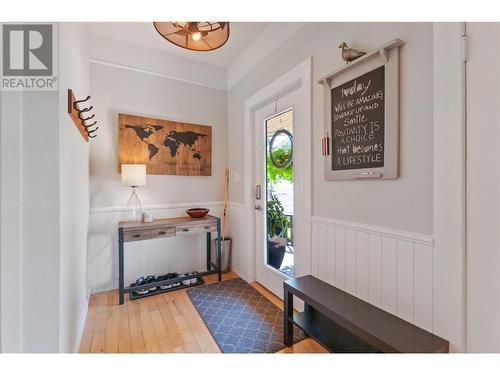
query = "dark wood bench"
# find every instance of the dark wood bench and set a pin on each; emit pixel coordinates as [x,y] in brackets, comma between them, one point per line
[343,323]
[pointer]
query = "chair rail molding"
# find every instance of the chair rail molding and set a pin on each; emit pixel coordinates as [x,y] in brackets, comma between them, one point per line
[423,239]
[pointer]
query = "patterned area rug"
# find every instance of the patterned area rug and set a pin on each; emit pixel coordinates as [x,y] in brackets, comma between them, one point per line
[240,319]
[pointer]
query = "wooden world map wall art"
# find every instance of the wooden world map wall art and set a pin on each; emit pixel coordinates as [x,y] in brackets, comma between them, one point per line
[166,147]
[362,116]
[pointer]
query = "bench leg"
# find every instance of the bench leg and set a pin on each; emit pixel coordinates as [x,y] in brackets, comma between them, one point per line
[288,316]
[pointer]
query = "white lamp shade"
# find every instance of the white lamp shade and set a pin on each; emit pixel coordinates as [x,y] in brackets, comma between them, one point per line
[134,174]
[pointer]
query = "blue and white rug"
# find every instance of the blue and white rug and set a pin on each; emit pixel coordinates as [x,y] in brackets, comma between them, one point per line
[240,319]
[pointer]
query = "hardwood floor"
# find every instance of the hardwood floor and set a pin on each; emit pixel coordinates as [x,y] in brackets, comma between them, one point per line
[165,323]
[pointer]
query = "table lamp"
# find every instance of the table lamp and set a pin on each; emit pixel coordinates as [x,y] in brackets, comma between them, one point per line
[134,175]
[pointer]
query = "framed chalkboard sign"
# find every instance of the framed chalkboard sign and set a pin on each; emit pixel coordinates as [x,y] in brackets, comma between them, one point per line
[362,116]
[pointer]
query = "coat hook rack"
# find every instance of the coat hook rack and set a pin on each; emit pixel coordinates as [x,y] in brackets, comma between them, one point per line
[78,116]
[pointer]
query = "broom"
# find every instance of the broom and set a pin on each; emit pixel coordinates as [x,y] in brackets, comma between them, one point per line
[226,196]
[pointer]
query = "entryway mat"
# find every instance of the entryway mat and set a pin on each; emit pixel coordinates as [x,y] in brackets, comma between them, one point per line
[240,319]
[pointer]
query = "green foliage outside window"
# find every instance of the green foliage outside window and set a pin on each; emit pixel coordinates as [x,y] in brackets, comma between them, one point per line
[277,222]
[275,174]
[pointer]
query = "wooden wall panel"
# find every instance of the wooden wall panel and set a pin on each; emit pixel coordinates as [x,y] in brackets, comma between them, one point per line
[315,250]
[423,269]
[340,240]
[375,269]
[322,251]
[330,254]
[389,269]
[362,265]
[350,261]
[405,280]
[389,275]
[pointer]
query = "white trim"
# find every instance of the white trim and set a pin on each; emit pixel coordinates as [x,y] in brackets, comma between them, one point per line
[155,206]
[277,272]
[449,178]
[302,72]
[423,239]
[156,74]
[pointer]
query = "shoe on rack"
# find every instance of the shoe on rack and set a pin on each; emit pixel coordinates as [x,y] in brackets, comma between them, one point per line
[164,278]
[194,280]
[140,281]
[174,276]
[151,279]
[185,282]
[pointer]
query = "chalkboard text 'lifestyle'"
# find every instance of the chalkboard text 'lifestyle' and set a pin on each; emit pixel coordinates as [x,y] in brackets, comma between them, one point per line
[358,122]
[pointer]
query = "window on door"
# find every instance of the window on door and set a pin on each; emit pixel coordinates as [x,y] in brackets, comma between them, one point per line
[279,192]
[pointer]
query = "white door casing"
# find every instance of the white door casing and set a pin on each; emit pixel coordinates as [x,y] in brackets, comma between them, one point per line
[298,82]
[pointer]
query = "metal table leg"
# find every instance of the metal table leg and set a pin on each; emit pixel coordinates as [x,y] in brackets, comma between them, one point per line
[219,262]
[121,281]
[209,250]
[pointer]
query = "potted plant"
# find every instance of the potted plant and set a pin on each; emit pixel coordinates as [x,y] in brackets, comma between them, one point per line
[277,226]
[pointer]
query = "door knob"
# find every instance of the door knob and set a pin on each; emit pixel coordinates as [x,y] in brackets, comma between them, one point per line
[258,207]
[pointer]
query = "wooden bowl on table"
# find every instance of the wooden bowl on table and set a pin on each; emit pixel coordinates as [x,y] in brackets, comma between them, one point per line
[197,213]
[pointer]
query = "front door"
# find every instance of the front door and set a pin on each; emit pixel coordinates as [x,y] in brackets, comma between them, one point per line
[275,197]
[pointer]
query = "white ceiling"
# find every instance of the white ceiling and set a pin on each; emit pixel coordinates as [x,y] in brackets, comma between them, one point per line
[145,35]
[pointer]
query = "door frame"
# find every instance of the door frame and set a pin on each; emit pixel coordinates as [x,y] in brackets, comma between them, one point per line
[299,76]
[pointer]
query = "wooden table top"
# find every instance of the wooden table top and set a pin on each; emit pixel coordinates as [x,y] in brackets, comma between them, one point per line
[171,221]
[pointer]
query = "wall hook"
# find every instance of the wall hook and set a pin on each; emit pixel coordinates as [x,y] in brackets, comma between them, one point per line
[78,116]
[88,126]
[86,109]
[86,118]
[76,102]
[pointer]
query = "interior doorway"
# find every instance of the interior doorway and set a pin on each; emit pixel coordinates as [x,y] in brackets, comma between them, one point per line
[278,126]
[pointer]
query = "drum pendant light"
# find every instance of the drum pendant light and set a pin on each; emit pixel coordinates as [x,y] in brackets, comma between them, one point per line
[195,36]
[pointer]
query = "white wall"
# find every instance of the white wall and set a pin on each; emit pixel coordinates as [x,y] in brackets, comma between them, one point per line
[10,220]
[30,222]
[44,217]
[376,239]
[74,187]
[449,185]
[143,59]
[116,90]
[150,92]
[405,203]
[483,187]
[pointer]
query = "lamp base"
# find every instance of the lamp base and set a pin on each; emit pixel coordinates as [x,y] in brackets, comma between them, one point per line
[134,207]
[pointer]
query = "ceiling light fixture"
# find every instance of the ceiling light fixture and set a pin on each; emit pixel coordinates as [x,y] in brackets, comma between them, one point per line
[195,36]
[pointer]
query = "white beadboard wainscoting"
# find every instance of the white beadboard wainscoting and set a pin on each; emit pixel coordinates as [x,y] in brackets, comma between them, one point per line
[240,259]
[388,268]
[151,257]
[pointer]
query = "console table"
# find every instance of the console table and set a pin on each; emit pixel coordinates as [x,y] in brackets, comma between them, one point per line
[129,231]
[343,323]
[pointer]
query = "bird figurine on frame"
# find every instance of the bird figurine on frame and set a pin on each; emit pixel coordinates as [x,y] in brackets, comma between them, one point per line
[350,54]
